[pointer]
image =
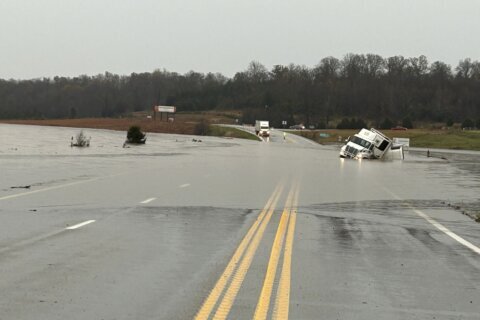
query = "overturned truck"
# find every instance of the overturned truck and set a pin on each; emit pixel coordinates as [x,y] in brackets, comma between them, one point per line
[371,144]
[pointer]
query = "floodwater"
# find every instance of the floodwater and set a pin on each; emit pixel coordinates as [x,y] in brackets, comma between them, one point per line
[22,140]
[42,156]
[170,214]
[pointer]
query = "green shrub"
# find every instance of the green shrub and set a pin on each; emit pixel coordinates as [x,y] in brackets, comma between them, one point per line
[135,135]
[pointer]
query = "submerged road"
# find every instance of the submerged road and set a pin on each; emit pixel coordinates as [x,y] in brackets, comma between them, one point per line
[231,229]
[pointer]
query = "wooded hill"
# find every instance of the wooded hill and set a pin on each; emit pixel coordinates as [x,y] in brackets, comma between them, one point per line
[369,87]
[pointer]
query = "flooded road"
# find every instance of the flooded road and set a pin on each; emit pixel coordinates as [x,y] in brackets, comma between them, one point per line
[150,231]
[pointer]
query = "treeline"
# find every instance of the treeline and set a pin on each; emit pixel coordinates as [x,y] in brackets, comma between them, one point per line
[364,87]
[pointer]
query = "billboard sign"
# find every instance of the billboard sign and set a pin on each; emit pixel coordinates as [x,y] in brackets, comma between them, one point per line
[167,109]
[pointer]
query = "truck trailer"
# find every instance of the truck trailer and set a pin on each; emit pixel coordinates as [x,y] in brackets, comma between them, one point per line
[262,128]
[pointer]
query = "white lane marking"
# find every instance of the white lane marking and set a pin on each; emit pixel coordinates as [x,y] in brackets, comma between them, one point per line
[47,189]
[439,226]
[148,200]
[80,225]
[185,185]
[447,231]
[62,186]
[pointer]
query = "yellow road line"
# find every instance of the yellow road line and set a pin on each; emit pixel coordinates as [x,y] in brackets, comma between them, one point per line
[282,301]
[263,304]
[212,299]
[229,297]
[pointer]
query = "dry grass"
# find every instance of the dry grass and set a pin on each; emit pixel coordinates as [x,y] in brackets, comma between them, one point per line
[184,122]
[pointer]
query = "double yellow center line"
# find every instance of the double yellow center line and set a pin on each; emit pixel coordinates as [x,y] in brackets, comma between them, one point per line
[288,219]
[230,281]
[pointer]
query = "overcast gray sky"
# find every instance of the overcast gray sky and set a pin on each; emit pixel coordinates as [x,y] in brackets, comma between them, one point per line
[44,38]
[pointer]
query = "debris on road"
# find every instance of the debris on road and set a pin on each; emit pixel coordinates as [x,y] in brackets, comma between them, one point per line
[468,209]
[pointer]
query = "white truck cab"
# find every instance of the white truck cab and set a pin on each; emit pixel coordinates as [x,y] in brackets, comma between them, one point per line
[370,144]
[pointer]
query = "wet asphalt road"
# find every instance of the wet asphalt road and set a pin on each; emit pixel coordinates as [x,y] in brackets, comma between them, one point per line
[344,239]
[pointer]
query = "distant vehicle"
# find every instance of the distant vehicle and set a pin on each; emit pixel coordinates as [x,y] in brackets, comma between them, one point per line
[399,128]
[371,144]
[298,127]
[262,128]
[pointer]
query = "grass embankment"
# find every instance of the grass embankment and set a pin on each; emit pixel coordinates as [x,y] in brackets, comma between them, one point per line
[421,138]
[184,123]
[219,131]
